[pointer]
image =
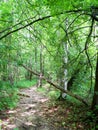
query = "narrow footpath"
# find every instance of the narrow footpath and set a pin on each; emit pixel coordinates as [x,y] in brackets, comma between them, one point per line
[32,113]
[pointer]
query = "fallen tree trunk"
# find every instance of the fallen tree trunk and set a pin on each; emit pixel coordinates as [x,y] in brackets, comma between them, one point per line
[58,87]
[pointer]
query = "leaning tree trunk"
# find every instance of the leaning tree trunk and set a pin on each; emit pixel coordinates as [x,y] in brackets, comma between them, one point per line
[95,97]
[56,86]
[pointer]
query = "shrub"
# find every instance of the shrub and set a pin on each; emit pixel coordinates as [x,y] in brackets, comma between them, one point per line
[8,96]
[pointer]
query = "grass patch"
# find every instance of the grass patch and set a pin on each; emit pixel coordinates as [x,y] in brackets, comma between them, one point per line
[25,83]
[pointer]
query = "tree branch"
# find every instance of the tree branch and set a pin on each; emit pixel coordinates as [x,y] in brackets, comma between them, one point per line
[17,24]
[39,19]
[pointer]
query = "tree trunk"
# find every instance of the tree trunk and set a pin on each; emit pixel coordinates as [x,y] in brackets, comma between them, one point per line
[65,60]
[36,62]
[65,82]
[95,97]
[41,67]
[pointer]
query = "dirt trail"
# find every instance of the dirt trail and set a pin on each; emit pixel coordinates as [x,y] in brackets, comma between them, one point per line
[29,115]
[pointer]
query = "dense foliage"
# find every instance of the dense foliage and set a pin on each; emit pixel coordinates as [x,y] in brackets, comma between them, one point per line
[36,33]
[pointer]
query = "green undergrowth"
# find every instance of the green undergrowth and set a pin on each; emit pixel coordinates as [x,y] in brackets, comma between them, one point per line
[50,91]
[54,94]
[70,112]
[25,83]
[8,96]
[9,93]
[72,115]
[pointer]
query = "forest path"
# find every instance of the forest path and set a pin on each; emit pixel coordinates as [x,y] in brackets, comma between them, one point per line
[32,113]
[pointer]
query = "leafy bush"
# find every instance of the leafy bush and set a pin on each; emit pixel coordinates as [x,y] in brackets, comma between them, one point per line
[8,96]
[54,94]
